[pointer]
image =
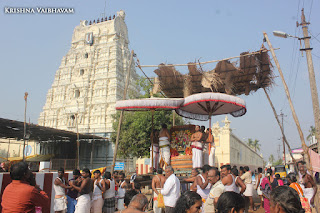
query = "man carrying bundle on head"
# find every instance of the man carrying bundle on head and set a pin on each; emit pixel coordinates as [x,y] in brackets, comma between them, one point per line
[164,145]
[196,146]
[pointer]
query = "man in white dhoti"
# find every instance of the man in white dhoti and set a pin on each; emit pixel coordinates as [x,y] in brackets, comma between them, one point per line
[196,146]
[98,189]
[121,191]
[155,139]
[164,145]
[85,189]
[211,147]
[60,199]
[248,193]
[157,185]
[308,185]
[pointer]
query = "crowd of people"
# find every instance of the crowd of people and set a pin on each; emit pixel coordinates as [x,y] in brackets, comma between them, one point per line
[81,194]
[230,190]
[213,190]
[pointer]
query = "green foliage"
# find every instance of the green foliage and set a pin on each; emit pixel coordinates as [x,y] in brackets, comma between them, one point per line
[271,159]
[136,126]
[136,130]
[254,144]
[278,162]
[312,132]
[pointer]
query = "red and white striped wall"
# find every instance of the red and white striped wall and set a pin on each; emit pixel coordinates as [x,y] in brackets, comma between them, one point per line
[44,180]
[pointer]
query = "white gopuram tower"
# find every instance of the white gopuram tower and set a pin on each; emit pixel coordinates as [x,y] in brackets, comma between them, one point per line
[91,78]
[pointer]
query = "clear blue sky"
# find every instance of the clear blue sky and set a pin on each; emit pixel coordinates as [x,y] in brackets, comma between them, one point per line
[172,32]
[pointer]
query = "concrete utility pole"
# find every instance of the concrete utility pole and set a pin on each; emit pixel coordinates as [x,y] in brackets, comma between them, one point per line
[312,79]
[284,147]
[25,126]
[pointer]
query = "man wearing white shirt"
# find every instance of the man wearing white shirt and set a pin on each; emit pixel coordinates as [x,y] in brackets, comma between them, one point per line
[171,190]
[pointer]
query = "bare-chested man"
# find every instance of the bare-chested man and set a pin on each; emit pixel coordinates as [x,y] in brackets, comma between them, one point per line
[157,184]
[164,145]
[86,187]
[191,180]
[196,146]
[310,187]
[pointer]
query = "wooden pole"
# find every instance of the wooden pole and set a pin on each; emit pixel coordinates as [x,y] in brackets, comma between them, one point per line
[152,128]
[312,79]
[8,150]
[173,118]
[92,150]
[78,144]
[24,126]
[282,130]
[121,113]
[295,117]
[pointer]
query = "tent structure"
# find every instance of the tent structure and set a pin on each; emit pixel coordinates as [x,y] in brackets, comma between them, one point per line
[250,73]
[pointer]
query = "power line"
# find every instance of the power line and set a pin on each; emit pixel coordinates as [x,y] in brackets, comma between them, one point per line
[314,37]
[310,10]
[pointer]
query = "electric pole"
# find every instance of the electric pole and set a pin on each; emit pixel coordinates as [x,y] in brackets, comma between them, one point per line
[284,147]
[312,79]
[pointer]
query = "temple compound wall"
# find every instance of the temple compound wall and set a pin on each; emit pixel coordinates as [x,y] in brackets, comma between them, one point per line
[90,79]
[231,150]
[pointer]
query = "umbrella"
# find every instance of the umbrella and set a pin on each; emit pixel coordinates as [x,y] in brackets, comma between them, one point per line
[204,105]
[149,104]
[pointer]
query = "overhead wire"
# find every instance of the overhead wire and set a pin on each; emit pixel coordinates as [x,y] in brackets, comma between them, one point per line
[293,59]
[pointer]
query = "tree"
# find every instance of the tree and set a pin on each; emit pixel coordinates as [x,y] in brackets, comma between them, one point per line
[312,132]
[271,159]
[136,126]
[278,162]
[254,144]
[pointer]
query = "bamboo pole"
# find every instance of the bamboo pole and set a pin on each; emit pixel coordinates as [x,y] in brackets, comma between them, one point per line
[173,118]
[24,126]
[121,113]
[78,144]
[8,150]
[295,117]
[281,128]
[152,128]
[206,62]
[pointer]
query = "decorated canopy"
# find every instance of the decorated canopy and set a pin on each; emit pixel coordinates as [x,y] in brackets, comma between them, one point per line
[149,104]
[204,105]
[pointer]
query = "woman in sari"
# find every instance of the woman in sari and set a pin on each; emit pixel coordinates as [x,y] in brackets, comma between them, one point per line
[292,180]
[267,185]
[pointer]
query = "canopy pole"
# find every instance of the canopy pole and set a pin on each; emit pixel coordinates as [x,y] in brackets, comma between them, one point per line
[24,126]
[281,128]
[294,115]
[152,128]
[121,113]
[173,118]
